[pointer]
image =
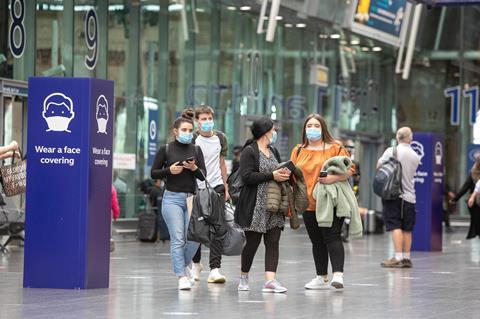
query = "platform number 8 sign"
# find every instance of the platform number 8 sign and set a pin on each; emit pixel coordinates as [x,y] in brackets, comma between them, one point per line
[91,38]
[17,16]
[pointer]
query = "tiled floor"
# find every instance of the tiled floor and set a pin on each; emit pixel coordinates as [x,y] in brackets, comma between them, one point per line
[441,285]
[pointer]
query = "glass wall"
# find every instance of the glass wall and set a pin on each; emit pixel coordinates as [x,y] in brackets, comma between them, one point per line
[164,57]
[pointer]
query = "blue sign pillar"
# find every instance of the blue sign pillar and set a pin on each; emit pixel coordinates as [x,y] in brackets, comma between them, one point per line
[152,135]
[69,181]
[427,234]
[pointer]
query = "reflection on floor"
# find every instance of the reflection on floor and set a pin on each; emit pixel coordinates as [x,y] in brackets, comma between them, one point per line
[441,285]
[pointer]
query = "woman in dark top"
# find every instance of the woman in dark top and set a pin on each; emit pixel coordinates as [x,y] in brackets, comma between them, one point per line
[258,163]
[180,164]
[474,210]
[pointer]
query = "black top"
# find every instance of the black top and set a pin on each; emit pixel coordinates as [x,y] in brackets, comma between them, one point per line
[251,176]
[469,185]
[185,182]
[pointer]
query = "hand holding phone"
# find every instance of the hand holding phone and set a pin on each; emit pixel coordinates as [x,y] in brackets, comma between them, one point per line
[323,174]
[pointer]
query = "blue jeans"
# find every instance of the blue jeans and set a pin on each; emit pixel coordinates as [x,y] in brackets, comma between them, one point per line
[174,211]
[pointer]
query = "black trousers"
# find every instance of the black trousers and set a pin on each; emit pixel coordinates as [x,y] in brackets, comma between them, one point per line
[271,241]
[326,242]
[216,244]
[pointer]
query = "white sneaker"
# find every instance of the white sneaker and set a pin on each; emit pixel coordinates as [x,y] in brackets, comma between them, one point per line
[318,283]
[196,270]
[184,284]
[243,284]
[273,286]
[188,273]
[216,277]
[337,281]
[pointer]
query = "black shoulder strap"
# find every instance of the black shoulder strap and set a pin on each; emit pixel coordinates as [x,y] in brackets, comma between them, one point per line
[165,163]
[299,149]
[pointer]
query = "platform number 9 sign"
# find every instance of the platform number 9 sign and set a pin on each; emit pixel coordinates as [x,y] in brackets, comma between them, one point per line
[17,16]
[91,38]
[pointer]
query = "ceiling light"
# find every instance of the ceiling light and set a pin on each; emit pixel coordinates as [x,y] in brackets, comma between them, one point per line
[323,36]
[335,36]
[278,18]
[355,42]
[288,25]
[231,8]
[343,42]
[365,49]
[377,49]
[301,25]
[200,10]
[245,8]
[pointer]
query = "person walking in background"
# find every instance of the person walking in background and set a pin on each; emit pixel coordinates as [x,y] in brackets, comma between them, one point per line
[213,144]
[9,150]
[181,165]
[473,207]
[317,147]
[156,197]
[399,214]
[258,163]
[115,212]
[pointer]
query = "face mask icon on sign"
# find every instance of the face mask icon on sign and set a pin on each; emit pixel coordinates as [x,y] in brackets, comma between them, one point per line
[58,112]
[102,114]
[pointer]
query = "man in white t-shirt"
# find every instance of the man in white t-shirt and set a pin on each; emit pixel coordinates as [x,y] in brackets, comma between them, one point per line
[214,148]
[399,214]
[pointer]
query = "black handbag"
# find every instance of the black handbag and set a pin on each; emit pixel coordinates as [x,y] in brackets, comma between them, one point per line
[198,229]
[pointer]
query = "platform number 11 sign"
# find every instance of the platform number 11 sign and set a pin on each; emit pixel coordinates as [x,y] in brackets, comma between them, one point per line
[454,93]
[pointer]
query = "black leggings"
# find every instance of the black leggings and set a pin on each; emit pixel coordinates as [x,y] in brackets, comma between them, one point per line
[271,240]
[325,242]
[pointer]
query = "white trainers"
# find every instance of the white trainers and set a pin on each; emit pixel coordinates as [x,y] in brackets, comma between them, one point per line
[337,281]
[216,277]
[243,284]
[196,270]
[190,278]
[318,283]
[273,286]
[184,284]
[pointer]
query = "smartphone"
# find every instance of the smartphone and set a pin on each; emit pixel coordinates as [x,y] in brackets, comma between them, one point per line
[179,164]
[190,159]
[323,174]
[289,165]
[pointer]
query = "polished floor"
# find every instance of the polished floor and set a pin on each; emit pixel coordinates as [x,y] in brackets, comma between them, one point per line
[441,285]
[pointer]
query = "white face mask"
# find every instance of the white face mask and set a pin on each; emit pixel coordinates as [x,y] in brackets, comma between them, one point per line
[58,117]
[102,125]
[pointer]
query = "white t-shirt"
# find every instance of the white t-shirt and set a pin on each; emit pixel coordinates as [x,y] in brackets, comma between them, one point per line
[410,160]
[211,148]
[477,186]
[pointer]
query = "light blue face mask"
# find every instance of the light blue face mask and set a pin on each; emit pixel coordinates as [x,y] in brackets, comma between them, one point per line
[274,138]
[185,138]
[313,133]
[207,126]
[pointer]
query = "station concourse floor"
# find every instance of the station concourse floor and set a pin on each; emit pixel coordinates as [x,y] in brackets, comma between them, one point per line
[142,285]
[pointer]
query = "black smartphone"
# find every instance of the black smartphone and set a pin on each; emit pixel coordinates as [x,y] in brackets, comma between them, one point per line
[179,164]
[190,159]
[323,174]
[289,165]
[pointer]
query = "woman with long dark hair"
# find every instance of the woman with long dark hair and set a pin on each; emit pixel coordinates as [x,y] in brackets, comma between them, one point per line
[317,147]
[258,163]
[473,207]
[180,163]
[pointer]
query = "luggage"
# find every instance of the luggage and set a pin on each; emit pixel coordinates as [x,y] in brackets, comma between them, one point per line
[147,227]
[370,222]
[233,241]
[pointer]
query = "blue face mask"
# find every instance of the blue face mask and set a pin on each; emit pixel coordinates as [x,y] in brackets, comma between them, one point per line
[313,134]
[274,138]
[185,138]
[207,126]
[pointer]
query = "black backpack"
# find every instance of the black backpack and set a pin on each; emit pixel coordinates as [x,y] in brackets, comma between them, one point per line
[388,179]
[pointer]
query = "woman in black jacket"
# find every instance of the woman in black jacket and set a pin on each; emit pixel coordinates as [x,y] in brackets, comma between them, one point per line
[258,163]
[474,209]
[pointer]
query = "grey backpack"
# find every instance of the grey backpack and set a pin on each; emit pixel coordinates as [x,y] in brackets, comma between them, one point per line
[388,179]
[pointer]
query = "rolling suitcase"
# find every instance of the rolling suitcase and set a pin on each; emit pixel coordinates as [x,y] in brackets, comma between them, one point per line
[147,225]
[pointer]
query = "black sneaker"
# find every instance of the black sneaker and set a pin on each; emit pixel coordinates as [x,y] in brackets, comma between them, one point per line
[406,263]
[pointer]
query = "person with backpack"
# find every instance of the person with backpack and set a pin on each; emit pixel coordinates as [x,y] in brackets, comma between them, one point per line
[213,144]
[399,213]
[258,163]
[318,146]
[180,163]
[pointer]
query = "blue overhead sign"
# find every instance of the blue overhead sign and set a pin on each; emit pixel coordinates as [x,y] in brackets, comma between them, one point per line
[434,3]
